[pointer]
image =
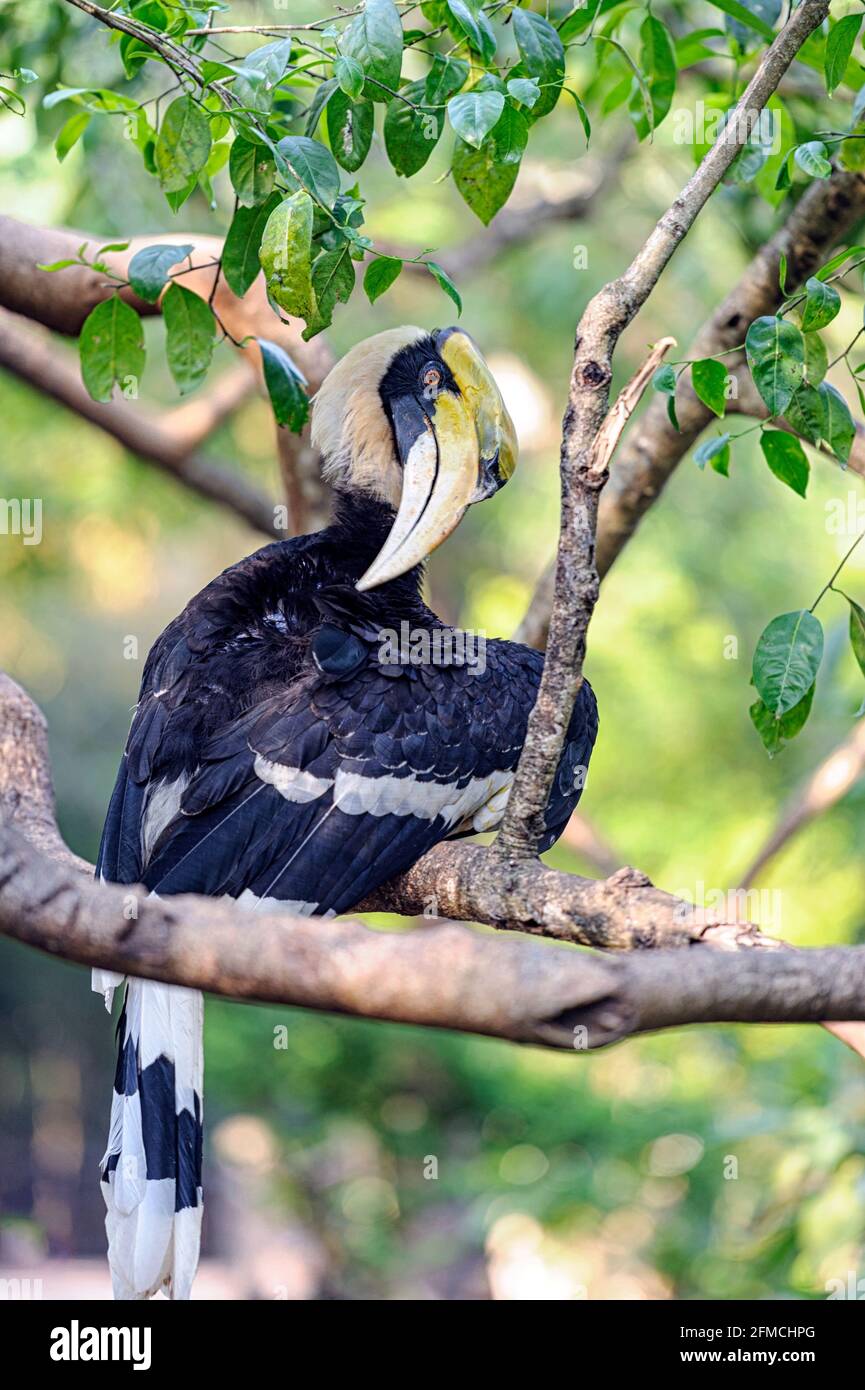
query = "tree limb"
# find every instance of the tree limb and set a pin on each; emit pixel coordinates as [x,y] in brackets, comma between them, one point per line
[445,977]
[61,300]
[167,440]
[651,453]
[458,880]
[602,323]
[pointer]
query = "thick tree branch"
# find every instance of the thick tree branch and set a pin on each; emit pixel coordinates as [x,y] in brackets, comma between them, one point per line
[601,325]
[440,976]
[458,880]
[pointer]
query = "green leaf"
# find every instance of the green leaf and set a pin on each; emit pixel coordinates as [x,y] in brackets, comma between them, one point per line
[349,74]
[285,385]
[804,414]
[446,77]
[786,458]
[776,732]
[374,40]
[252,170]
[410,136]
[582,113]
[664,381]
[190,333]
[286,255]
[468,20]
[183,145]
[776,356]
[308,165]
[332,282]
[658,64]
[543,57]
[70,133]
[812,159]
[524,90]
[111,347]
[744,16]
[240,260]
[839,46]
[483,181]
[709,379]
[473,114]
[94,98]
[350,127]
[849,254]
[444,282]
[317,105]
[822,303]
[149,267]
[857,633]
[511,135]
[380,275]
[816,359]
[175,200]
[787,660]
[259,74]
[839,430]
[715,451]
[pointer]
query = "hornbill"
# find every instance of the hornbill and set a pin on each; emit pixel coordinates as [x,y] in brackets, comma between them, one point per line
[283,754]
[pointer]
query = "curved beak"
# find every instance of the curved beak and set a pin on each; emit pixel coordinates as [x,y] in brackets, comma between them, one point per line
[455,450]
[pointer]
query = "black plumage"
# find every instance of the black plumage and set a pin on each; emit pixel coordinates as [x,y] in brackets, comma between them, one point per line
[278,659]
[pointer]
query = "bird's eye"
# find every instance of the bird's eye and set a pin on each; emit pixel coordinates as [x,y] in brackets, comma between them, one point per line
[431,379]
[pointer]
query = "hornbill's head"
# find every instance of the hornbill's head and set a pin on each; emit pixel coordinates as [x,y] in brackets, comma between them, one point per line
[416,420]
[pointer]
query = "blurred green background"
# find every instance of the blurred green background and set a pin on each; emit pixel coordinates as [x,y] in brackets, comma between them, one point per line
[369,1161]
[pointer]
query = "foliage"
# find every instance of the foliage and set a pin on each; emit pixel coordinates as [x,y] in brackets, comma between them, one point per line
[296,112]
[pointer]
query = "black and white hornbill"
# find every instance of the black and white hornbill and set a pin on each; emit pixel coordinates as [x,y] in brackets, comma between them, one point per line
[278,757]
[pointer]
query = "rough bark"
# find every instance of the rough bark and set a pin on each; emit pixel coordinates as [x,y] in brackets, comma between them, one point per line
[602,323]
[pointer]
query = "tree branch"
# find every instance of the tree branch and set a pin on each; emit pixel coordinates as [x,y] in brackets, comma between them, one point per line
[446,977]
[649,456]
[458,880]
[166,441]
[61,300]
[440,976]
[601,325]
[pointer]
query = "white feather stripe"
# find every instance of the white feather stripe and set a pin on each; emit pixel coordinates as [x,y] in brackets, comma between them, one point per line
[139,1244]
[248,902]
[105,982]
[130,1175]
[151,1264]
[357,795]
[293,783]
[186,1008]
[187,1242]
[162,807]
[155,1032]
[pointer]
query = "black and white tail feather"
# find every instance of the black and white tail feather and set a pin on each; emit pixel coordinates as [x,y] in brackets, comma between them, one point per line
[151,1170]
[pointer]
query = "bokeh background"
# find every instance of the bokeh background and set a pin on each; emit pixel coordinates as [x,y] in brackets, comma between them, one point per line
[366,1161]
